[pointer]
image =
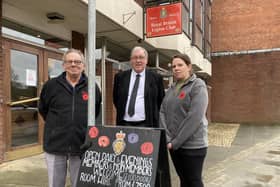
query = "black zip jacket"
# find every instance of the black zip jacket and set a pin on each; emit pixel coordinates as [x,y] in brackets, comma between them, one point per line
[64,109]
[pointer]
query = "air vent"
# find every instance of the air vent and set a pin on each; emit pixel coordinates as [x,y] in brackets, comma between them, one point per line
[55,17]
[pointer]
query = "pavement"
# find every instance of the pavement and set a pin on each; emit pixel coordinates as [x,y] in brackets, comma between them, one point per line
[253,160]
[239,155]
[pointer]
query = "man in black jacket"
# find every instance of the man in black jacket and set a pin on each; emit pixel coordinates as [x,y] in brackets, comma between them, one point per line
[63,105]
[138,93]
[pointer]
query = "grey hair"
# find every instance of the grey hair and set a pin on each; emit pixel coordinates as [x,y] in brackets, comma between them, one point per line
[136,48]
[74,51]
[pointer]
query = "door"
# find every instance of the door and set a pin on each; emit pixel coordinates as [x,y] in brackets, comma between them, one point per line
[24,72]
[27,68]
[52,65]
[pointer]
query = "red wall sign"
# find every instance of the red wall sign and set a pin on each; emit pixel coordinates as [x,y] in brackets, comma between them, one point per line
[164,20]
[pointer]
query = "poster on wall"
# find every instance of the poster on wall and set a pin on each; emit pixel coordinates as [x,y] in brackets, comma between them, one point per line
[31,77]
[164,20]
[124,157]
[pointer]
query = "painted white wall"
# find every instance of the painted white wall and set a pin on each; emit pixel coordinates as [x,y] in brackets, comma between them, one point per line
[115,9]
[207,67]
[182,44]
[35,20]
[173,42]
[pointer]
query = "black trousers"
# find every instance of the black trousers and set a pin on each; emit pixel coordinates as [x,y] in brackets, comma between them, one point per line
[188,164]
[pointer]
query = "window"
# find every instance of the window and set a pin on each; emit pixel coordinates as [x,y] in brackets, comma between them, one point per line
[201,26]
[24,85]
[198,26]
[207,30]
[186,18]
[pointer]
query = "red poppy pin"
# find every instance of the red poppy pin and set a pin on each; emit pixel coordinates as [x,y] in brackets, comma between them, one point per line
[182,95]
[147,148]
[93,132]
[103,141]
[85,96]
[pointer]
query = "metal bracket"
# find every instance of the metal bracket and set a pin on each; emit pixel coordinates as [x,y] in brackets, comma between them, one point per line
[128,16]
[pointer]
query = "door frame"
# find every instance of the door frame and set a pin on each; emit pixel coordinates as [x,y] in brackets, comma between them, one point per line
[49,54]
[43,54]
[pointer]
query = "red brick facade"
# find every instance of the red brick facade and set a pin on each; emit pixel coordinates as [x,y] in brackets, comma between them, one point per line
[245,88]
[246,24]
[110,109]
[2,143]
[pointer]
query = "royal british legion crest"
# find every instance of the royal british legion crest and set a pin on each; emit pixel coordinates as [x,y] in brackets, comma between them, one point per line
[119,143]
[163,13]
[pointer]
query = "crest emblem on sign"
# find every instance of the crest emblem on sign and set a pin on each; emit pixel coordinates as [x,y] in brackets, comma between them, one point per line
[119,143]
[163,13]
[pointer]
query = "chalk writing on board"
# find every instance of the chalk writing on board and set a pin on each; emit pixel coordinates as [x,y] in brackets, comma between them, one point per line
[122,170]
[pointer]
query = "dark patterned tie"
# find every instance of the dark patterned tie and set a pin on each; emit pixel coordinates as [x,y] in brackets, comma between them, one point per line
[131,106]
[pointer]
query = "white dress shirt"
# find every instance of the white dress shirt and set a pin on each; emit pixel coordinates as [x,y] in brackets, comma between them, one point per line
[139,114]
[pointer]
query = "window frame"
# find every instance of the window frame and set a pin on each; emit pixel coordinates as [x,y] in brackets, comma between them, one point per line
[186,8]
[207,27]
[196,26]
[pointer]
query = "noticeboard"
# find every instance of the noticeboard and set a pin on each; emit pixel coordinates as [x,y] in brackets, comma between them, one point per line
[124,157]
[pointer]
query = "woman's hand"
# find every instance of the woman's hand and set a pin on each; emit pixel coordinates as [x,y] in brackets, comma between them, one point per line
[169,146]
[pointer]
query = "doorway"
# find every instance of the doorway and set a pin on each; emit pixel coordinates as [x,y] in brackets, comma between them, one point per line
[27,67]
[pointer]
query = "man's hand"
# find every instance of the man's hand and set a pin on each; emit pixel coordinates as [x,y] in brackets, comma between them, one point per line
[169,146]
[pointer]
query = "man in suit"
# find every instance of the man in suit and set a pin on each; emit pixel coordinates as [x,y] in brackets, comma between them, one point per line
[138,93]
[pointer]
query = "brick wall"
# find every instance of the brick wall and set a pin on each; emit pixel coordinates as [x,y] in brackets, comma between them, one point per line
[110,109]
[2,143]
[246,88]
[246,24]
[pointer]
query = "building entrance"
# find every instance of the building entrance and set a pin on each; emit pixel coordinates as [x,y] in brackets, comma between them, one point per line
[26,69]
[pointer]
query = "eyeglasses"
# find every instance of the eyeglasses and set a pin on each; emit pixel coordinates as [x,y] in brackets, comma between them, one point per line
[76,62]
[138,58]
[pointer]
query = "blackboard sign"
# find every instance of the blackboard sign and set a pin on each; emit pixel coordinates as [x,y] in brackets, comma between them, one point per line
[124,157]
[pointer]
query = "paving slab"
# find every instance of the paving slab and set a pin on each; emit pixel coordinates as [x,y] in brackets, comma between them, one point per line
[239,155]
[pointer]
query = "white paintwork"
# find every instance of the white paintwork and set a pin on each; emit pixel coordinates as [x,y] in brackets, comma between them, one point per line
[34,19]
[115,9]
[182,44]
[32,13]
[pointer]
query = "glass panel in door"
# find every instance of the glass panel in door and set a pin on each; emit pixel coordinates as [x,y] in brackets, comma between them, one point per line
[55,68]
[24,98]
